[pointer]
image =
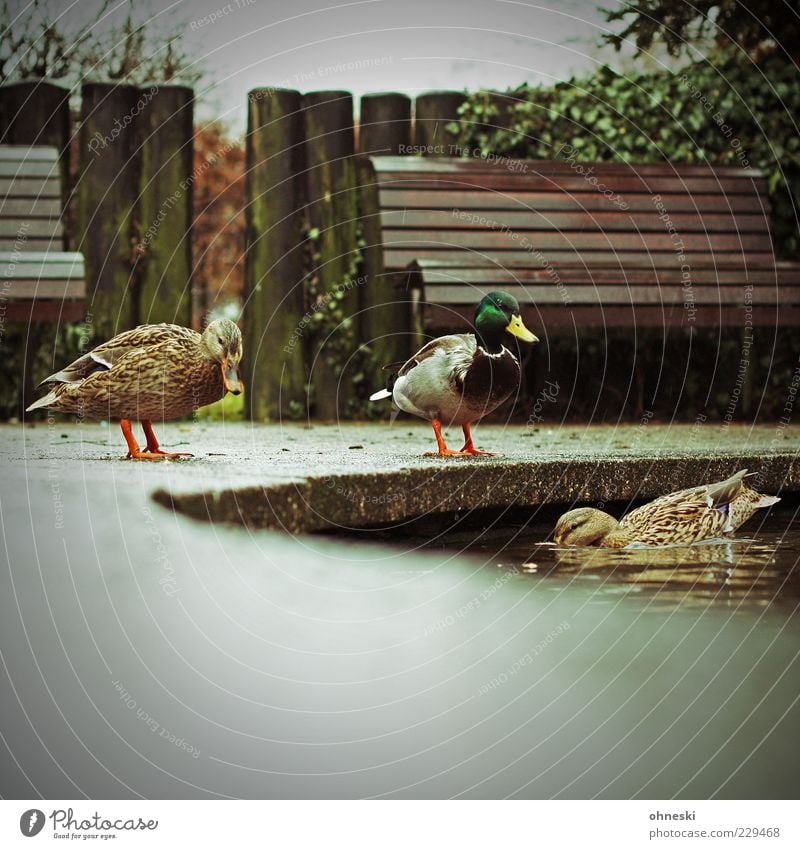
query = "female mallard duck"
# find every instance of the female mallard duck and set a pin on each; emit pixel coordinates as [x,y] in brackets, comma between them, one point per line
[691,515]
[459,379]
[156,371]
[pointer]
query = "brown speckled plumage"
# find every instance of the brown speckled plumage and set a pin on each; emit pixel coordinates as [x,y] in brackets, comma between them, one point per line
[690,515]
[154,372]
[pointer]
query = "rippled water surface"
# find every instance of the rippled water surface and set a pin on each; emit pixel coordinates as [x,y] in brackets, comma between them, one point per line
[758,567]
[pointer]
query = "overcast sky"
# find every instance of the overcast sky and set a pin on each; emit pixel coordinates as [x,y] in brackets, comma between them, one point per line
[373,45]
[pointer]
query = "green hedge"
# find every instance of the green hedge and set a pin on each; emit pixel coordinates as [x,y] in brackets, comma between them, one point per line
[725,110]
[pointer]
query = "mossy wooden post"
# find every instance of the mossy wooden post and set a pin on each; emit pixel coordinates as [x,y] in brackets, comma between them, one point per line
[433,111]
[273,326]
[385,124]
[385,313]
[37,112]
[108,188]
[332,212]
[164,217]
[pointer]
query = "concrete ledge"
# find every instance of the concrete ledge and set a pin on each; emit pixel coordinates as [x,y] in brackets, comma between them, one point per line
[375,485]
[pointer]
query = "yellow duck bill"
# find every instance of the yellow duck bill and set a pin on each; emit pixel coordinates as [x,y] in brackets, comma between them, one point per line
[517,328]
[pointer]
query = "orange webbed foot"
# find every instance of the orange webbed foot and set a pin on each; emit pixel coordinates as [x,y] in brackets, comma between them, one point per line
[470,449]
[152,451]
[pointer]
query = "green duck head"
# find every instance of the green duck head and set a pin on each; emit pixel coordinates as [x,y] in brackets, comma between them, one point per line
[496,314]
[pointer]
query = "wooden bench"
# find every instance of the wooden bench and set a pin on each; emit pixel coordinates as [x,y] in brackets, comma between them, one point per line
[39,280]
[580,243]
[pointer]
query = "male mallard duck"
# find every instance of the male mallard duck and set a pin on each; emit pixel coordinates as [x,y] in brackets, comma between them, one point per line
[687,516]
[459,379]
[156,371]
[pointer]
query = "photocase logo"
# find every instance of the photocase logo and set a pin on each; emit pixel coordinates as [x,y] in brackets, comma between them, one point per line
[31,822]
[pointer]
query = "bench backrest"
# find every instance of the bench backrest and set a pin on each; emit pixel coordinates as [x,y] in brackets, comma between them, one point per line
[616,243]
[39,279]
[577,214]
[30,198]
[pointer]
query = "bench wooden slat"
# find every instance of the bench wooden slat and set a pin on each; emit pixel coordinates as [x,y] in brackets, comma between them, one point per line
[525,167]
[36,153]
[545,240]
[40,266]
[437,318]
[621,186]
[37,243]
[391,197]
[30,187]
[28,168]
[27,290]
[30,207]
[530,220]
[42,310]
[498,277]
[617,294]
[31,228]
[398,258]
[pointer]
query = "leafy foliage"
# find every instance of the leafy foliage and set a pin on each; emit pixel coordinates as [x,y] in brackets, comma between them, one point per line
[757,26]
[726,110]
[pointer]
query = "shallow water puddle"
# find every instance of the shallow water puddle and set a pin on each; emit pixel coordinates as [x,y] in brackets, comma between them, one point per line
[759,567]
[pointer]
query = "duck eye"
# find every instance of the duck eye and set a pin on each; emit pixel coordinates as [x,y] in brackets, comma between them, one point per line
[573,526]
[219,339]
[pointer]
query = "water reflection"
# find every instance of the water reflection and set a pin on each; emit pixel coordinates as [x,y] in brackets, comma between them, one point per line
[745,570]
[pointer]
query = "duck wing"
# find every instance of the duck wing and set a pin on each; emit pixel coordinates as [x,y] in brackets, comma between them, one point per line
[106,355]
[459,348]
[688,515]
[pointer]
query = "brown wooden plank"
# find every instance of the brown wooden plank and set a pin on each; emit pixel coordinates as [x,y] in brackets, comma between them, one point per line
[44,310]
[19,187]
[30,228]
[499,276]
[548,240]
[392,197]
[21,290]
[530,220]
[30,207]
[614,295]
[437,318]
[28,168]
[450,165]
[399,258]
[33,153]
[35,264]
[33,243]
[622,185]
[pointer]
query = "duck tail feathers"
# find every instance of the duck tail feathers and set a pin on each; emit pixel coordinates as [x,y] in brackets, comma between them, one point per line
[45,401]
[380,395]
[767,500]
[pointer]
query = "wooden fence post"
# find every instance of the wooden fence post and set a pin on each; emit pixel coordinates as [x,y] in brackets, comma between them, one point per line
[433,111]
[385,124]
[333,214]
[385,314]
[164,216]
[134,204]
[274,297]
[108,188]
